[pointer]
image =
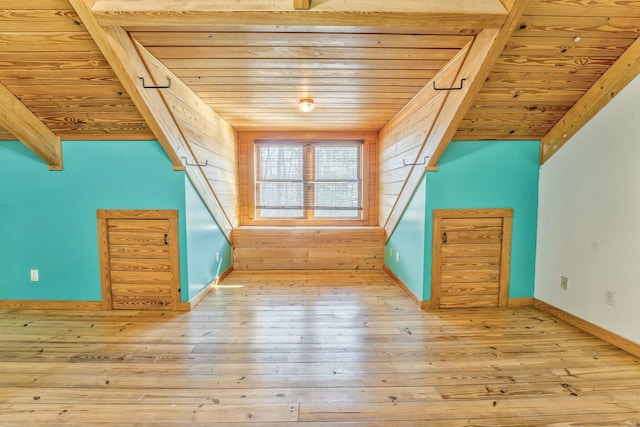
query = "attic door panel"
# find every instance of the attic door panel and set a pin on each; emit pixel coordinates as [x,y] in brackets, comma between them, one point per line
[470,262]
[140,264]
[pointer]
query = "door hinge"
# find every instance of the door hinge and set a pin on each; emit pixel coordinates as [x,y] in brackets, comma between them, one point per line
[444,237]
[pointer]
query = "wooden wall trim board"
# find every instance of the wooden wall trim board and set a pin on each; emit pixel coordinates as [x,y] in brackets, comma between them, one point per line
[595,330]
[621,73]
[423,304]
[521,302]
[189,305]
[51,305]
[29,129]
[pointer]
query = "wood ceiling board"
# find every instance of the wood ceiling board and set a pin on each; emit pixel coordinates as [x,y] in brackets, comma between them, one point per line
[626,68]
[309,73]
[16,118]
[582,26]
[36,5]
[550,64]
[528,96]
[294,65]
[297,91]
[300,54]
[49,61]
[52,64]
[26,76]
[566,46]
[558,80]
[364,15]
[50,42]
[585,8]
[49,20]
[301,59]
[344,40]
[229,81]
[299,125]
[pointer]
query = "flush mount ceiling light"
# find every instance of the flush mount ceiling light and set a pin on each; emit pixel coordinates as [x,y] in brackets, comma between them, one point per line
[306,105]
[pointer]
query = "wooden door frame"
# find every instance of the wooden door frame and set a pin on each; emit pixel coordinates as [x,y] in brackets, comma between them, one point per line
[505,252]
[103,215]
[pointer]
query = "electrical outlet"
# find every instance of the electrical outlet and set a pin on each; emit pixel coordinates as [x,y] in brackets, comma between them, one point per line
[564,283]
[397,256]
[390,251]
[35,276]
[610,297]
[217,256]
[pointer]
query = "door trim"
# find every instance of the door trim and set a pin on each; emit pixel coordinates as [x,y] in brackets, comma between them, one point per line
[104,215]
[505,251]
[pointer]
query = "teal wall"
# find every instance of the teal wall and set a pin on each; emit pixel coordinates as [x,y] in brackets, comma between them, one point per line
[479,174]
[204,240]
[407,244]
[48,219]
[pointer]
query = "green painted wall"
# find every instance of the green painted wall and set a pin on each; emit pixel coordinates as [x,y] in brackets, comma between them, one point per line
[204,240]
[491,174]
[479,174]
[48,219]
[404,251]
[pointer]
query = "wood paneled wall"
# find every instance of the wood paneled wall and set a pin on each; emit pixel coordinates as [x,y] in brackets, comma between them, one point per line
[401,142]
[212,141]
[308,248]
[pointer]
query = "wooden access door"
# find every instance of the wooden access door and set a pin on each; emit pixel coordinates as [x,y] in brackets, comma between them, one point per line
[139,259]
[471,258]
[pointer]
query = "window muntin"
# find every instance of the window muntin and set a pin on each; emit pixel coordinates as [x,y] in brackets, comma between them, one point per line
[308,180]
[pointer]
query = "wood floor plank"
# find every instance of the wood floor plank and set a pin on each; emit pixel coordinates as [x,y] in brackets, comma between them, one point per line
[309,349]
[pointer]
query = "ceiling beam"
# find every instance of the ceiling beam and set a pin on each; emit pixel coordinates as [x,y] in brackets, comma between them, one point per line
[484,53]
[302,4]
[621,73]
[352,15]
[119,51]
[123,57]
[24,125]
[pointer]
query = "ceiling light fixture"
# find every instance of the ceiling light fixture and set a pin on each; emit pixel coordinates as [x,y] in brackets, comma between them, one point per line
[306,105]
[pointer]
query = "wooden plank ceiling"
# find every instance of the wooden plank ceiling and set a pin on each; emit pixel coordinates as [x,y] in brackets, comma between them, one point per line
[359,72]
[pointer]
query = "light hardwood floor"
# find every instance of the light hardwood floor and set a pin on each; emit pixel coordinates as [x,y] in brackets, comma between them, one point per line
[309,349]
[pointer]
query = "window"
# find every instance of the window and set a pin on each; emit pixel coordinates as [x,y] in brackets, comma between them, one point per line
[308,180]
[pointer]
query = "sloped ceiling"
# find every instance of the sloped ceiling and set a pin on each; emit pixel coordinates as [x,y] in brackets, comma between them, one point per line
[360,70]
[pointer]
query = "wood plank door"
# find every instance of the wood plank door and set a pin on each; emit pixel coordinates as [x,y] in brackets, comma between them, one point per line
[139,259]
[471,258]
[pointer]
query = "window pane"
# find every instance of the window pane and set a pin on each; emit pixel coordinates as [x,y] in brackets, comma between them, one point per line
[280,162]
[308,180]
[336,195]
[280,199]
[337,162]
